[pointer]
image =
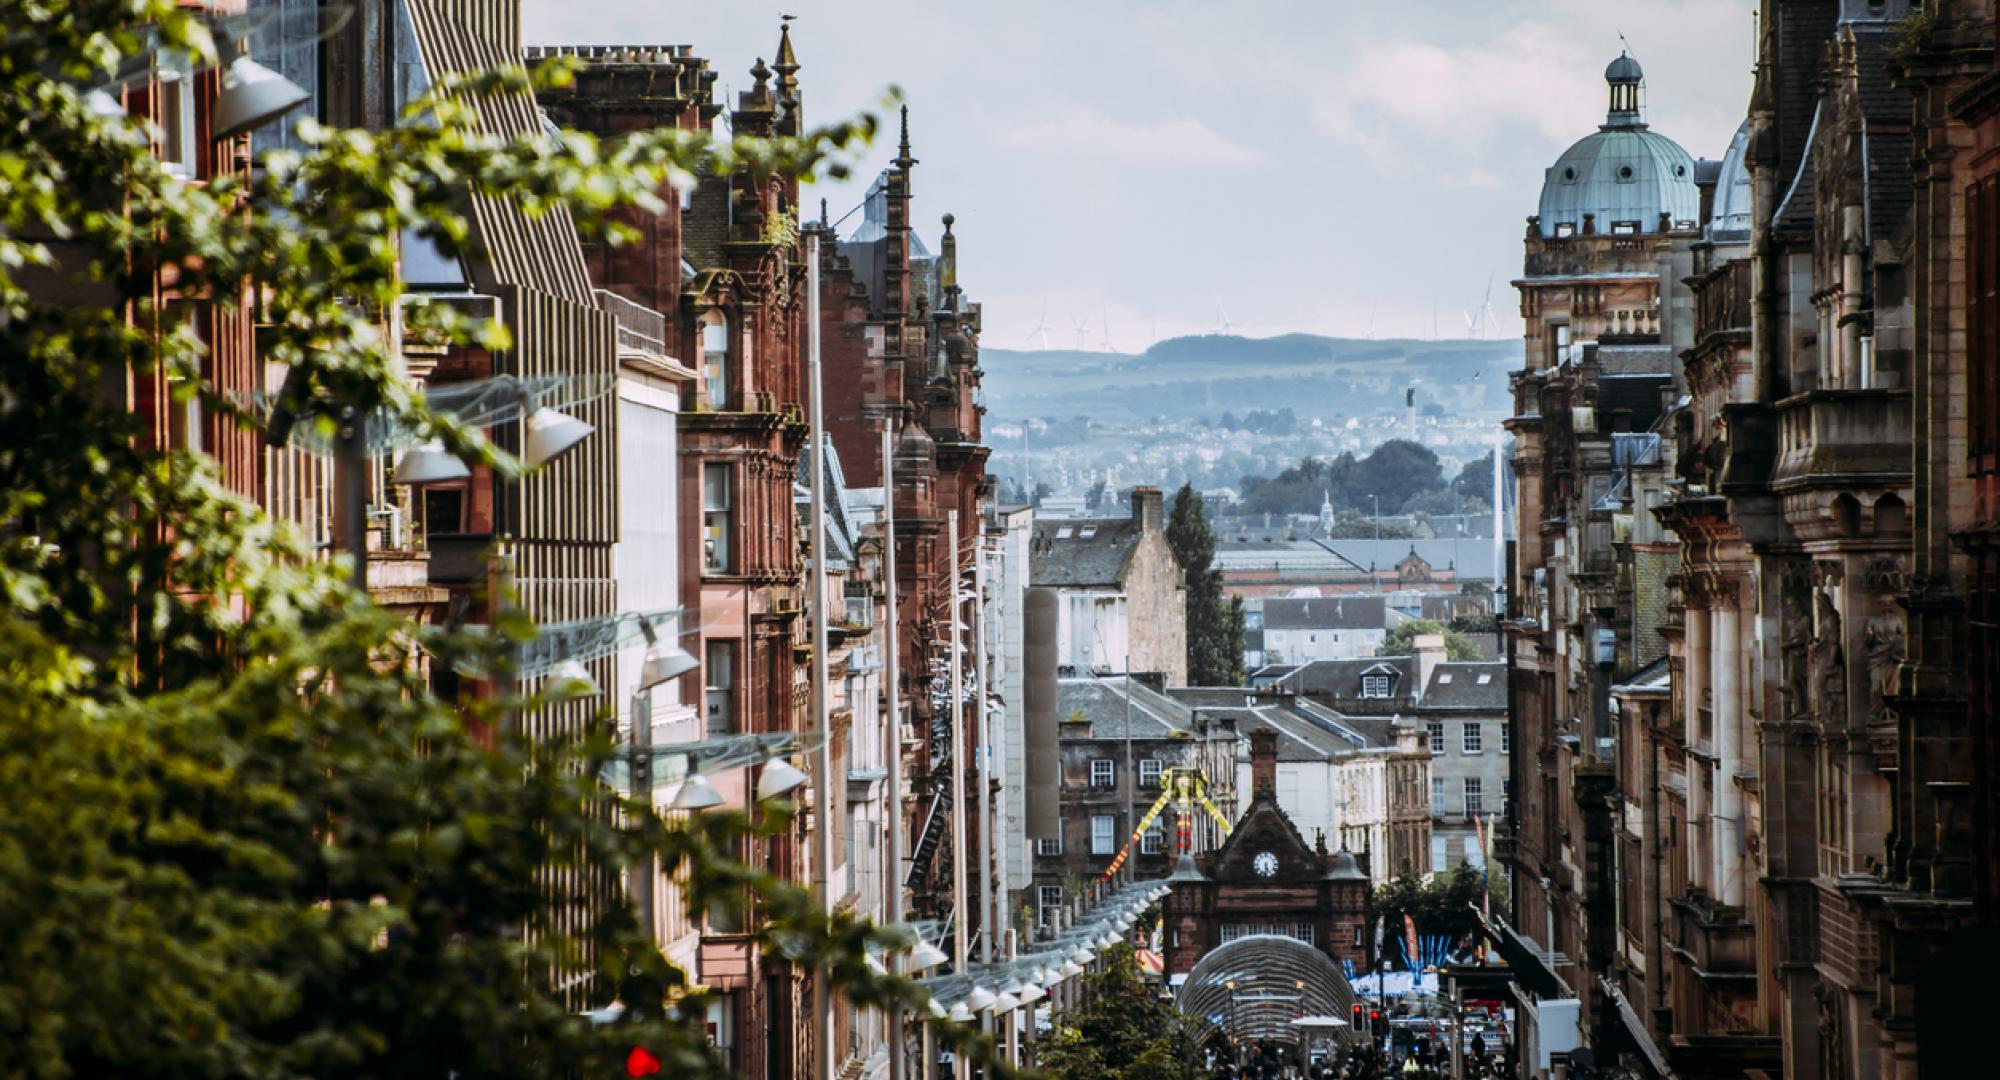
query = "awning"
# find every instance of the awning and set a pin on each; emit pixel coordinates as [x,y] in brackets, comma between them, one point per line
[1634,1031]
[1530,970]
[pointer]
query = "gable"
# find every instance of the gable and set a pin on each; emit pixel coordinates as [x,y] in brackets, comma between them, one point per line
[1265,828]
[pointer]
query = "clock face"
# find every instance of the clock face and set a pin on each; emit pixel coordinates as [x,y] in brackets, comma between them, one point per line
[1266,864]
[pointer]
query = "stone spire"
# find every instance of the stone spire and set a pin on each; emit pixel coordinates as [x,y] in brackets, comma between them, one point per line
[948,263]
[787,66]
[903,159]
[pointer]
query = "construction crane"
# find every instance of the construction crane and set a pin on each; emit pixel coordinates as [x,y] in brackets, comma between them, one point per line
[1182,785]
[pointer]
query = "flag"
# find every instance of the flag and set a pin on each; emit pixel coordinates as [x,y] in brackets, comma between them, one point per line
[1485,868]
[1410,939]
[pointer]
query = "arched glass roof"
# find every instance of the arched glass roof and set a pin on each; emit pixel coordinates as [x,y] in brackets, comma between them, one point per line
[1255,986]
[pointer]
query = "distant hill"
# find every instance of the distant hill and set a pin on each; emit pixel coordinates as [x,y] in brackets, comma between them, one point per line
[1208,374]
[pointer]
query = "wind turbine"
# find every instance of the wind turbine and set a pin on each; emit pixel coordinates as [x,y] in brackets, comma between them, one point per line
[1104,319]
[1041,329]
[1081,327]
[1484,319]
[1222,323]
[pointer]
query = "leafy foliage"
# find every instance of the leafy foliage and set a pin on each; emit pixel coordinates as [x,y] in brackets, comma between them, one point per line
[1402,640]
[1393,474]
[242,837]
[1120,1029]
[1441,906]
[1475,479]
[1214,625]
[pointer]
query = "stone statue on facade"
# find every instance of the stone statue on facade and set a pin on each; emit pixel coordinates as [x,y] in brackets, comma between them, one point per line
[1883,639]
[1796,635]
[1829,664]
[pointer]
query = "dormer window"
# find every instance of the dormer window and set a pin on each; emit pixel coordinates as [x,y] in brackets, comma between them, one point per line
[1624,228]
[1374,686]
[1565,230]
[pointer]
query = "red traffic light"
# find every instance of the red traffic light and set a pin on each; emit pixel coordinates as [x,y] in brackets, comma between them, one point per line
[1374,1015]
[641,1062]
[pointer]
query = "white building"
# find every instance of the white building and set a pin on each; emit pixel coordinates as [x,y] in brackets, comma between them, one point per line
[1299,630]
[646,563]
[1122,599]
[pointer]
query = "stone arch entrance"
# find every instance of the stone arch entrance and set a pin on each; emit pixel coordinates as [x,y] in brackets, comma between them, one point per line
[1255,986]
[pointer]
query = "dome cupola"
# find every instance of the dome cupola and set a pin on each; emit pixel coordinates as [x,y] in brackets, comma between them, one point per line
[1623,179]
[1625,77]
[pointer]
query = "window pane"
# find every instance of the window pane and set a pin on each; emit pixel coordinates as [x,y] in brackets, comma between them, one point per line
[715,361]
[1102,831]
[721,677]
[716,519]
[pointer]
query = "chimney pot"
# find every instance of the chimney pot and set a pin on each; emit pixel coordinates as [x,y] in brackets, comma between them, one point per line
[1147,504]
[1263,763]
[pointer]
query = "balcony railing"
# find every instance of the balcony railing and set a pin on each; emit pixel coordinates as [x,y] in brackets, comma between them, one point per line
[640,328]
[1843,436]
[1722,300]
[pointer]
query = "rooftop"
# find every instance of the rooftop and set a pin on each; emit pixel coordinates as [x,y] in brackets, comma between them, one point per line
[1467,684]
[1102,699]
[1327,613]
[1081,551]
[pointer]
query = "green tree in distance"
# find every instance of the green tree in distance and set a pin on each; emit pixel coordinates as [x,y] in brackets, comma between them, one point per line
[1120,1029]
[242,838]
[1475,479]
[1214,625]
[1441,906]
[1402,640]
[1394,473]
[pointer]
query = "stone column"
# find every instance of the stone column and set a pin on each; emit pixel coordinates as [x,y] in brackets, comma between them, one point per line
[1725,798]
[1698,641]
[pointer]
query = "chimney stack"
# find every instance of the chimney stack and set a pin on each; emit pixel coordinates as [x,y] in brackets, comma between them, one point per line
[1263,764]
[1147,505]
[1430,653]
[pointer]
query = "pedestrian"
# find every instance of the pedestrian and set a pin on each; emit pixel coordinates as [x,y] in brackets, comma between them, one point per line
[1478,1045]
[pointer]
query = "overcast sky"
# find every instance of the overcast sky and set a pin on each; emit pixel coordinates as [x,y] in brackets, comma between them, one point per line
[1303,165]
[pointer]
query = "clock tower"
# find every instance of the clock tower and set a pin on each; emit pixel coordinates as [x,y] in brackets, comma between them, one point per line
[1266,879]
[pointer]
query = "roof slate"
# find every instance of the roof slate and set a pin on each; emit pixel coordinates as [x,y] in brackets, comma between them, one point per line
[1056,559]
[1456,685]
[1326,613]
[1103,704]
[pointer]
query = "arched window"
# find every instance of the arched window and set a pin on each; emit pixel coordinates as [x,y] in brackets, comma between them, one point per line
[715,360]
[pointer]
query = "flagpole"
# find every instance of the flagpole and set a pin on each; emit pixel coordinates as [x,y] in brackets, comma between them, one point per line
[961,1067]
[892,707]
[823,1034]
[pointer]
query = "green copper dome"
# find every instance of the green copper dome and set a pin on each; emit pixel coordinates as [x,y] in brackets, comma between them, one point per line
[1623,176]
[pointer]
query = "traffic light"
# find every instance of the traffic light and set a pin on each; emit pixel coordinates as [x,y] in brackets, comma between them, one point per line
[1357,1018]
[642,1062]
[1374,1022]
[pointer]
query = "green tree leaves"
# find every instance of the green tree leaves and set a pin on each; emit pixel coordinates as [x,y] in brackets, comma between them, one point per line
[1121,1029]
[241,837]
[1214,625]
[1402,640]
[1443,906]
